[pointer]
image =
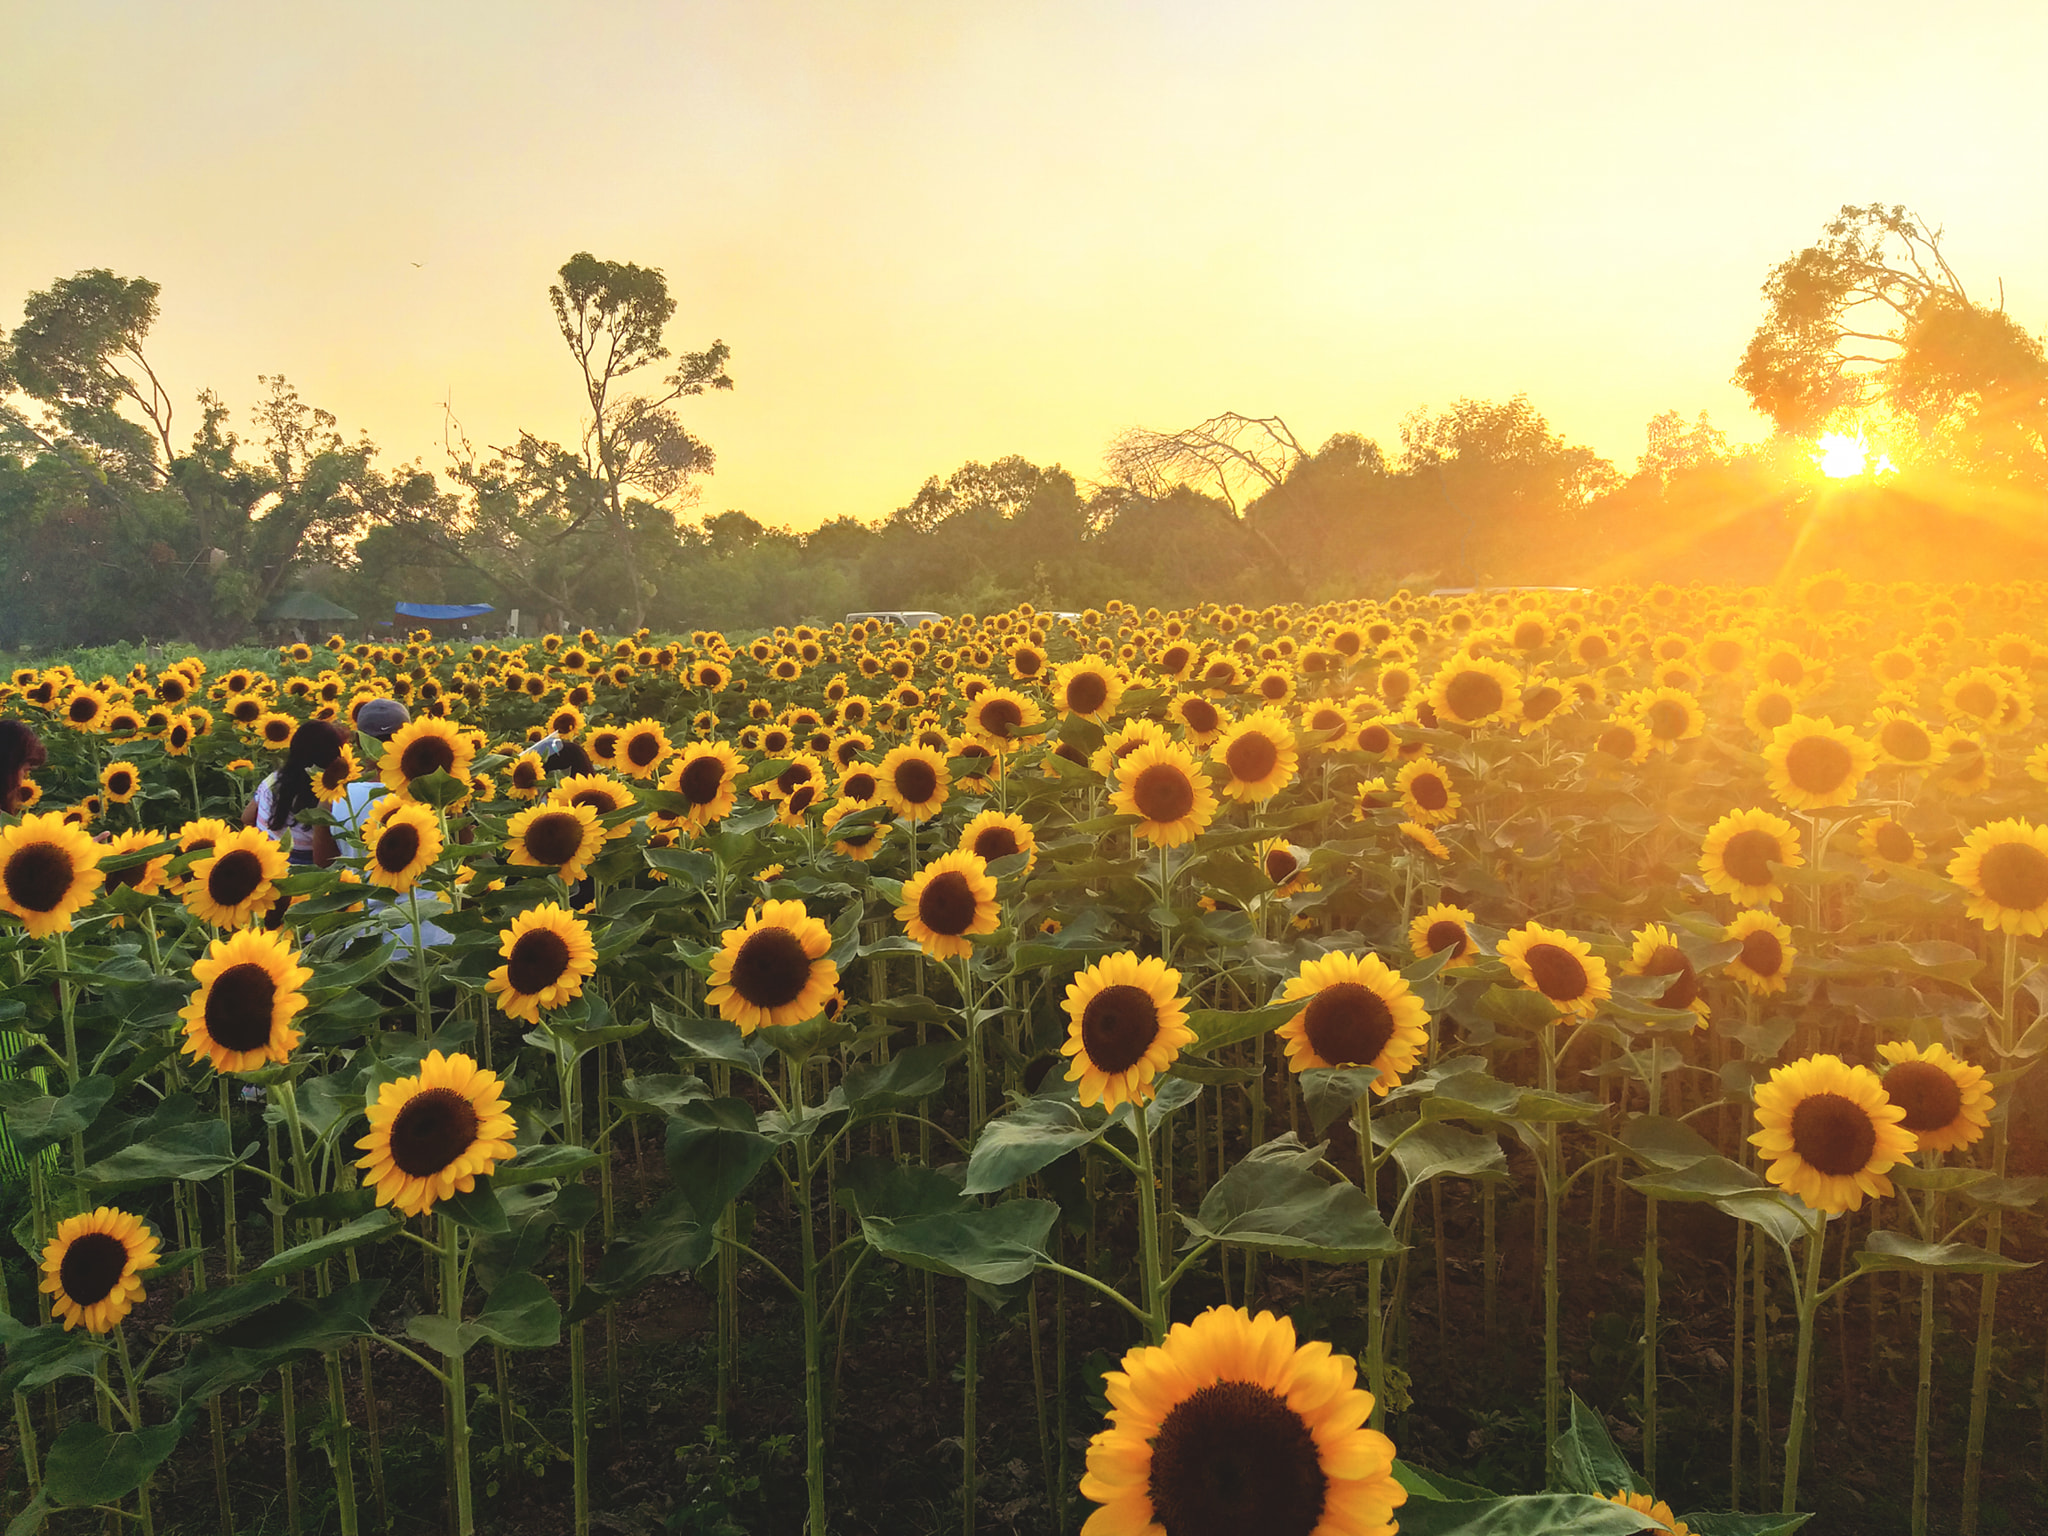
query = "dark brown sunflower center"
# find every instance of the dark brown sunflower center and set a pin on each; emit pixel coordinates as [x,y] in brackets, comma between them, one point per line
[1429,792]
[916,780]
[1163,793]
[427,755]
[554,837]
[432,1130]
[1175,658]
[538,959]
[92,1267]
[1444,934]
[1749,854]
[1894,843]
[1348,1024]
[1820,765]
[701,780]
[604,744]
[1773,710]
[947,904]
[38,876]
[1669,960]
[525,773]
[642,748]
[1667,719]
[1977,698]
[1233,1458]
[1027,663]
[792,776]
[1594,648]
[397,846]
[1252,757]
[771,968]
[1087,692]
[82,711]
[1618,741]
[1762,952]
[1200,715]
[1560,976]
[1220,674]
[602,801]
[1528,635]
[234,877]
[120,782]
[994,843]
[800,799]
[1928,1095]
[1118,1026]
[2014,876]
[1374,738]
[1539,703]
[238,1007]
[859,786]
[1833,1134]
[1474,695]
[1281,865]
[999,717]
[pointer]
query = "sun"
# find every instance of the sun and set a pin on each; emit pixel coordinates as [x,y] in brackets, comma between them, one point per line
[1842,457]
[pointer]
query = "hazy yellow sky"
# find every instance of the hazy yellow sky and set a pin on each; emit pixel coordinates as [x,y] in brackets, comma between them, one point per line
[947,229]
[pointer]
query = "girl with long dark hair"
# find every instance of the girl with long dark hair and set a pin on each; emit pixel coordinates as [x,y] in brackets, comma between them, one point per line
[20,750]
[284,794]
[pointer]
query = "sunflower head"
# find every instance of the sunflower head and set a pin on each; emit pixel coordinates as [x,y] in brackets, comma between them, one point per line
[1126,1024]
[1442,928]
[1472,690]
[1426,792]
[421,748]
[1356,1012]
[1738,853]
[1563,968]
[1814,763]
[564,838]
[434,1134]
[2004,869]
[914,780]
[48,871]
[93,1267]
[251,987]
[1830,1133]
[774,969]
[996,835]
[1656,953]
[1231,1426]
[1947,1100]
[1162,785]
[1257,757]
[948,902]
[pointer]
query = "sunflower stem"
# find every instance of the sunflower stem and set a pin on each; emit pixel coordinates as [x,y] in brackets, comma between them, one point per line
[1552,1383]
[458,1387]
[814,1380]
[1923,1404]
[1987,1285]
[1148,1228]
[1737,1360]
[1651,1278]
[142,1500]
[1375,1311]
[970,1365]
[1808,1299]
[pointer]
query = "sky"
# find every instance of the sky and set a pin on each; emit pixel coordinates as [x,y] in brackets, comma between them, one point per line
[936,230]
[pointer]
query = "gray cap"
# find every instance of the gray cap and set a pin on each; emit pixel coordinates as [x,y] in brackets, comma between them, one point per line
[381,718]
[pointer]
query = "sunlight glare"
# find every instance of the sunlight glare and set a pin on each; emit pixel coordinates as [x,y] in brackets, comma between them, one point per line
[1842,457]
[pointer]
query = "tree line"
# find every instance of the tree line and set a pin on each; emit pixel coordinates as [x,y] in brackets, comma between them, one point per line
[118,521]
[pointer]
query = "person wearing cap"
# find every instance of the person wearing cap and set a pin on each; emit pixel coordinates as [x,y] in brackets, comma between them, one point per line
[380,719]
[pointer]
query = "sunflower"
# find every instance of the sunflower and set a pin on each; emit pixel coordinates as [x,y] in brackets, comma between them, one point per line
[1766,956]
[1622,740]
[548,953]
[1356,1013]
[1445,927]
[773,969]
[564,838]
[997,835]
[1656,953]
[421,748]
[1285,866]
[1126,1023]
[238,879]
[251,987]
[1947,1100]
[1902,741]
[1670,715]
[948,902]
[146,879]
[432,1135]
[332,782]
[1257,756]
[1815,763]
[401,841]
[84,709]
[643,748]
[1165,788]
[704,773]
[1830,1132]
[1668,1524]
[92,1268]
[1424,838]
[1769,706]
[1229,1425]
[1886,844]
[177,736]
[1203,720]
[1738,853]
[2004,868]
[999,717]
[119,782]
[48,871]
[861,843]
[1965,765]
[1976,696]
[1475,689]
[1426,793]
[914,781]
[1562,968]
[1088,688]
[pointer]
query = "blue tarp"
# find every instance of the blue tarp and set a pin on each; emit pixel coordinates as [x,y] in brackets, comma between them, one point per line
[443,610]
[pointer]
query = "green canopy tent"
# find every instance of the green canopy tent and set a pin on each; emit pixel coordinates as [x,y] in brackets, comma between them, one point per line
[305,608]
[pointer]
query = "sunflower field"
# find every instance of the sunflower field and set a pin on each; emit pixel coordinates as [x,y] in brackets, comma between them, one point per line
[1510,1063]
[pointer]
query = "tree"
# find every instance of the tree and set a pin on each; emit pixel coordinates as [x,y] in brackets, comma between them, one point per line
[1234,457]
[1674,446]
[78,351]
[612,315]
[1873,318]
